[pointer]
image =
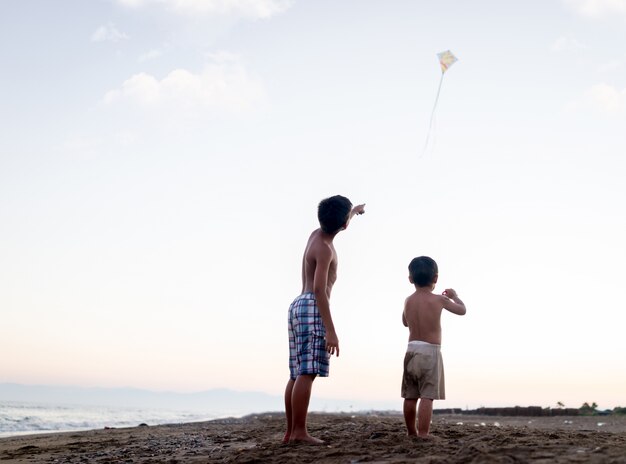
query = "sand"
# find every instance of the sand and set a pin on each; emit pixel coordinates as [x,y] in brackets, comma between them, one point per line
[374,437]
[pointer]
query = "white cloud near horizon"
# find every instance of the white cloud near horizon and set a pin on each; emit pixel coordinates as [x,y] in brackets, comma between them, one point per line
[598,8]
[108,33]
[246,8]
[222,84]
[602,97]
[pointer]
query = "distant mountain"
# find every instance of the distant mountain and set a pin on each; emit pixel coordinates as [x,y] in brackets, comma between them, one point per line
[224,401]
[227,401]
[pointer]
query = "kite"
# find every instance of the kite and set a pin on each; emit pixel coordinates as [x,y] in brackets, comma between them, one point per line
[446,59]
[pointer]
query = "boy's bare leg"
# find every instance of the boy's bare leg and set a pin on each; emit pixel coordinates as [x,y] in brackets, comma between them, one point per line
[288,409]
[409,416]
[300,396]
[424,416]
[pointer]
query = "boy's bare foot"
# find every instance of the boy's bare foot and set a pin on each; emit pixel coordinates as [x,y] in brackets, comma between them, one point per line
[286,438]
[427,436]
[306,439]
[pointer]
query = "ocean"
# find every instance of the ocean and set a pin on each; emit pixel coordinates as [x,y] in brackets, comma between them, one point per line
[31,409]
[22,418]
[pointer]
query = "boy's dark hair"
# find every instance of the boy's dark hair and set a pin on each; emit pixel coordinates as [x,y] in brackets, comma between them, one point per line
[423,271]
[333,213]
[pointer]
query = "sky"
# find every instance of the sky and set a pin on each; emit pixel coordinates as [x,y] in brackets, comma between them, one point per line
[161,162]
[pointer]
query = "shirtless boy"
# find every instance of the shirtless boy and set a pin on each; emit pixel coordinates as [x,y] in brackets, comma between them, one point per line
[423,377]
[312,335]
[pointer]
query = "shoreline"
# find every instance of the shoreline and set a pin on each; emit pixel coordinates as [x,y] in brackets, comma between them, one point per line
[349,437]
[489,413]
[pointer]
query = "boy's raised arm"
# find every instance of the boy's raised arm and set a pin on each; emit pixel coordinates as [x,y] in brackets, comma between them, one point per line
[452,302]
[358,209]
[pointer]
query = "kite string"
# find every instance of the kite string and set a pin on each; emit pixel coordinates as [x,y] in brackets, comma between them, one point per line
[432,114]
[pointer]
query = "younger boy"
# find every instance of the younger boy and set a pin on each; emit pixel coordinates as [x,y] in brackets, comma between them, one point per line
[312,336]
[423,377]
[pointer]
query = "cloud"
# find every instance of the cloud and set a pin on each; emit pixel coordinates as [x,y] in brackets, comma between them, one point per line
[598,8]
[108,33]
[602,97]
[246,8]
[607,97]
[566,44]
[223,84]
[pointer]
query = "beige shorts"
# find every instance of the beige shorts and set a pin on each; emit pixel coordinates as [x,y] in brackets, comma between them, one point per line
[423,372]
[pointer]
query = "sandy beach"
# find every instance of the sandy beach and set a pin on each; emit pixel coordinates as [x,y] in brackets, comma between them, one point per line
[373,437]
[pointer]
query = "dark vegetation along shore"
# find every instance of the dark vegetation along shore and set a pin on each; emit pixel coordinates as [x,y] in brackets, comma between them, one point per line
[537,411]
[349,438]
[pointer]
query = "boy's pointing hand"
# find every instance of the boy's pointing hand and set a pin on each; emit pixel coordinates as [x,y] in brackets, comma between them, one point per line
[359,209]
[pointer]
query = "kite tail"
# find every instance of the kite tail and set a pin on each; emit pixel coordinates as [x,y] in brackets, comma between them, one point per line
[432,114]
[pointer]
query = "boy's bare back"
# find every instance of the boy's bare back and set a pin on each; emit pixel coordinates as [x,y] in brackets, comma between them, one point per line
[422,313]
[319,272]
[319,249]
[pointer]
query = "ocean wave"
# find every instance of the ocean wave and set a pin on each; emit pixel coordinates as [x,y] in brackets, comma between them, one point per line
[26,418]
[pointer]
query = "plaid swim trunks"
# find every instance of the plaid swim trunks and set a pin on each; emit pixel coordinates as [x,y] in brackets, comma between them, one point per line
[307,345]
